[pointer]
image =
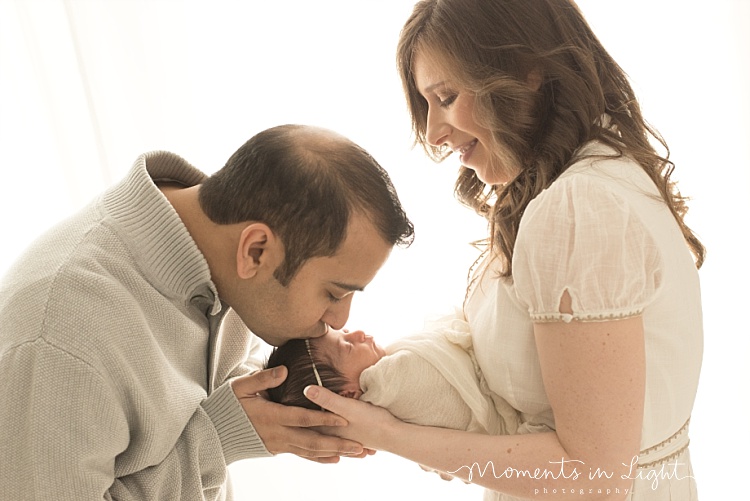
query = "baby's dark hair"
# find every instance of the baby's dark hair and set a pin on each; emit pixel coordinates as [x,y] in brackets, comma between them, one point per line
[293,354]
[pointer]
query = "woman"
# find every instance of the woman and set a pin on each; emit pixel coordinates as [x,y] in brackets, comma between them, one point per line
[585,311]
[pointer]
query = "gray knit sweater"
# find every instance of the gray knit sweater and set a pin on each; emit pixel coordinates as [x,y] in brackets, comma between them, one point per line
[115,356]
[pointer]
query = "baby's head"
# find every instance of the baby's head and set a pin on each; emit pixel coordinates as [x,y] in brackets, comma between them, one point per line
[339,357]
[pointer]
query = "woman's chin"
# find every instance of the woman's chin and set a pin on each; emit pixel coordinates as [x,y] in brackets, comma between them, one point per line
[489,176]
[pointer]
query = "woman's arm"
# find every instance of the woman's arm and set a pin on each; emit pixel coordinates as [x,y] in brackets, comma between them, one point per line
[594,375]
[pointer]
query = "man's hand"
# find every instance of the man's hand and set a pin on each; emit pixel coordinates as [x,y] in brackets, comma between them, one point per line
[442,474]
[285,428]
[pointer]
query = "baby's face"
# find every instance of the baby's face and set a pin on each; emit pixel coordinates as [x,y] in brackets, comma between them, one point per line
[349,352]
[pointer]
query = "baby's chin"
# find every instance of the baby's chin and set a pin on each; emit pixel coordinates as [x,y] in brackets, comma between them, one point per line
[380,351]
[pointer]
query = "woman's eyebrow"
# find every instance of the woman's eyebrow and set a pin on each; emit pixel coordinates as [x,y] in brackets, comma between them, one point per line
[432,87]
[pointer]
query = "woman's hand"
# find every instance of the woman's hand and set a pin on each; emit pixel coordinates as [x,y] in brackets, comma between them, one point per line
[368,424]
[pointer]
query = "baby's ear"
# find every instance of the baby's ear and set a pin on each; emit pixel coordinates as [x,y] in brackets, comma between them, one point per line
[351,393]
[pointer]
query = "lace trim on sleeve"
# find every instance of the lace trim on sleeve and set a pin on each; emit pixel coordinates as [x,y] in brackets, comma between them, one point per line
[586,317]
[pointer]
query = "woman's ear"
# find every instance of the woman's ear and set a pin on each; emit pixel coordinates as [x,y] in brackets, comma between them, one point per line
[351,393]
[257,246]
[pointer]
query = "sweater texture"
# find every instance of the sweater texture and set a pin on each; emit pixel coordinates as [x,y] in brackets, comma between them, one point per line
[116,356]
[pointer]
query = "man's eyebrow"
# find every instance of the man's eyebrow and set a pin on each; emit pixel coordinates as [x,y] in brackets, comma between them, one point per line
[348,287]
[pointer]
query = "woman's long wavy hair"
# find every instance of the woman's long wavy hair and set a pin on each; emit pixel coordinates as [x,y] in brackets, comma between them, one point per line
[494,48]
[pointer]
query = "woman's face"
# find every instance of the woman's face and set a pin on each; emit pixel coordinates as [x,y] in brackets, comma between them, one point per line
[450,120]
[349,352]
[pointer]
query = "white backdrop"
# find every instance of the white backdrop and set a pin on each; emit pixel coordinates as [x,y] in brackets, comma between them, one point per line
[86,86]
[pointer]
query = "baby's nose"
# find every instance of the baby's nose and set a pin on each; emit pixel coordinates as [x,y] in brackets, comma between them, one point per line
[356,336]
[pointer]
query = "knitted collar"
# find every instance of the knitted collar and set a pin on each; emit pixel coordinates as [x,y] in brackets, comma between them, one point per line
[154,233]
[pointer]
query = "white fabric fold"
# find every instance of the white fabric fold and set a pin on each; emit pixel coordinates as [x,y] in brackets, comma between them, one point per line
[432,378]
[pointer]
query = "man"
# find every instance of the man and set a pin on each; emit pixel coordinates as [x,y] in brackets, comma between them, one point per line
[125,344]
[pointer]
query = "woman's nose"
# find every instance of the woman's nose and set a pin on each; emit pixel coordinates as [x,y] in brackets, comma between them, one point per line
[437,129]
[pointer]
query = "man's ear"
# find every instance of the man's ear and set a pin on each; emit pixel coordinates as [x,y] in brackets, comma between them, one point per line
[256,247]
[351,393]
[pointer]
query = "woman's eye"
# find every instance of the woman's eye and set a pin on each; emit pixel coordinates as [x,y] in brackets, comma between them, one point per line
[333,298]
[448,101]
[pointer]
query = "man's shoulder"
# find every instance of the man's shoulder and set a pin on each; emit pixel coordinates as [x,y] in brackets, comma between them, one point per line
[70,279]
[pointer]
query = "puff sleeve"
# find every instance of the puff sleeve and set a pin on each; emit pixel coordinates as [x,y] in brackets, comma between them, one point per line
[582,235]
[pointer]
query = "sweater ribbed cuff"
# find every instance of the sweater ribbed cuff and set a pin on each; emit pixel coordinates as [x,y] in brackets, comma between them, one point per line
[238,437]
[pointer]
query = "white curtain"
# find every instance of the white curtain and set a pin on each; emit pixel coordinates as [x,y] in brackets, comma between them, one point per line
[88,85]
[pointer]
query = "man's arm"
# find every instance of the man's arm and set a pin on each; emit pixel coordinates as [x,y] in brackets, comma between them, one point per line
[61,426]
[66,435]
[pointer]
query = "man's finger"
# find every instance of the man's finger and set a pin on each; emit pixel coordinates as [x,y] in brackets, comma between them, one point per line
[328,460]
[364,454]
[300,417]
[312,445]
[247,386]
[262,411]
[443,475]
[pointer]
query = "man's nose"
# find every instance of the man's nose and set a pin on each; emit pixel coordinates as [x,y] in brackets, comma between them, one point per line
[337,314]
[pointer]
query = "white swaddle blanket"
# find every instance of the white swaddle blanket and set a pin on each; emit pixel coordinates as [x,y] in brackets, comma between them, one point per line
[432,378]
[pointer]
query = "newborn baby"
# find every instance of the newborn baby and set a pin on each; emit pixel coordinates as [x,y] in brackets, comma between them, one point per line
[430,378]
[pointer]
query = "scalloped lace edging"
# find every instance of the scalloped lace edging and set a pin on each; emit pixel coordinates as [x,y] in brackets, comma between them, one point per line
[585,317]
[682,442]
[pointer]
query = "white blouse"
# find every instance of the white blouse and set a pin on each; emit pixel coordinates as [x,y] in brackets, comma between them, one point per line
[602,232]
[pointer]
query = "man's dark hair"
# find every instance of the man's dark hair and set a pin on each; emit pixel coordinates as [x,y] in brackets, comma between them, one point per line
[293,354]
[305,183]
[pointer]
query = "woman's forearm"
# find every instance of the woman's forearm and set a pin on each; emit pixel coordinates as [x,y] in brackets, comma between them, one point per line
[529,465]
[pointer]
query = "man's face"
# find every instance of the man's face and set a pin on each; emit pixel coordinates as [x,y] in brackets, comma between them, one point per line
[321,292]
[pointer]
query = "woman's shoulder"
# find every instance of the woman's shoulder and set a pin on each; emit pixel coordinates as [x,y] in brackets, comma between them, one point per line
[591,234]
[599,172]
